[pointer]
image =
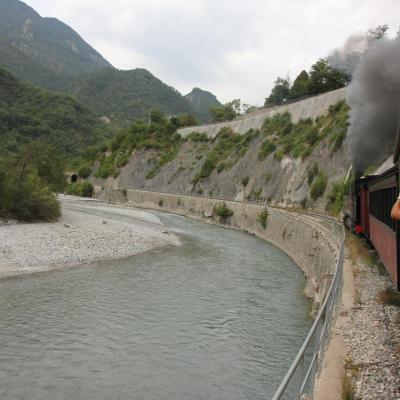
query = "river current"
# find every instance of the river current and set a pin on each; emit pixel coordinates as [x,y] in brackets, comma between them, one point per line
[220,317]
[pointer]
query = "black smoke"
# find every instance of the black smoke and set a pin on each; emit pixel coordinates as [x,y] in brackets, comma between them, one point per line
[374,98]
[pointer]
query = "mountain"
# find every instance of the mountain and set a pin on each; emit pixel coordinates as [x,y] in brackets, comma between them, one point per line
[48,53]
[201,101]
[30,113]
[44,51]
[123,96]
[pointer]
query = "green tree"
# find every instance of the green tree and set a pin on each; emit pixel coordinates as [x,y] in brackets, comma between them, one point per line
[45,161]
[279,93]
[225,112]
[301,86]
[324,77]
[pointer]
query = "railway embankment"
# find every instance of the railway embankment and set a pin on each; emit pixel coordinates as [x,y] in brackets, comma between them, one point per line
[371,329]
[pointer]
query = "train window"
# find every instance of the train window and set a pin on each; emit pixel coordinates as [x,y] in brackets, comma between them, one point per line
[381,203]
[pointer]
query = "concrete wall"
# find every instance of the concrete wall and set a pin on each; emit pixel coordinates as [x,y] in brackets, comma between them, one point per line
[303,109]
[313,244]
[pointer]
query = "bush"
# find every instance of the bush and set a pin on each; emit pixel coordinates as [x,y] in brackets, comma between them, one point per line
[222,211]
[256,194]
[82,189]
[84,172]
[266,149]
[312,173]
[336,195]
[245,181]
[161,202]
[34,203]
[263,217]
[318,187]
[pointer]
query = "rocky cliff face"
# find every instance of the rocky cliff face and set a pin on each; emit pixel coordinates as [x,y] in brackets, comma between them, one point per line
[282,163]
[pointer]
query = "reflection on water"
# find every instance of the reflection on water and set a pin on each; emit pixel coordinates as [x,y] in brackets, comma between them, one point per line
[220,317]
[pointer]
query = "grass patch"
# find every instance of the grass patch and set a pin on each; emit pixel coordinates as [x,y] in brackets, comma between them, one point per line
[358,251]
[348,388]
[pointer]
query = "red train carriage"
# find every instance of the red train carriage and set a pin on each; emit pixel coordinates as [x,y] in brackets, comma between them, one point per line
[383,231]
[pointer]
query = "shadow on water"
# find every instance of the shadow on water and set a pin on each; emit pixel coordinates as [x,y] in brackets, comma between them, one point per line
[220,317]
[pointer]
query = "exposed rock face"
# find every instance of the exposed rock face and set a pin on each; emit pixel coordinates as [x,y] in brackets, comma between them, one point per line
[276,180]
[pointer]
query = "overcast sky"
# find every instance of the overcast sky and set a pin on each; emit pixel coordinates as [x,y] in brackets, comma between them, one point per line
[234,48]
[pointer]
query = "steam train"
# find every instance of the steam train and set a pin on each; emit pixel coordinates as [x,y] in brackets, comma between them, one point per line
[372,202]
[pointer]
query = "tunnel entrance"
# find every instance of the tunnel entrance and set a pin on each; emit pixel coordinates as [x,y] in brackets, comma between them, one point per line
[73,178]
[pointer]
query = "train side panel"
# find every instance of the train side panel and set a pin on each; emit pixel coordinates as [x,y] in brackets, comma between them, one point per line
[383,230]
[385,242]
[364,209]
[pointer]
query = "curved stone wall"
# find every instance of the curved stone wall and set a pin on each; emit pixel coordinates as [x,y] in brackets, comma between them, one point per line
[311,107]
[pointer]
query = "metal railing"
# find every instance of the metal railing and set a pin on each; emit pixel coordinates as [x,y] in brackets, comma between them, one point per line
[300,379]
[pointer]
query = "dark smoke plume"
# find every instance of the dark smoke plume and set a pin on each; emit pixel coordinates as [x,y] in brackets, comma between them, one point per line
[374,98]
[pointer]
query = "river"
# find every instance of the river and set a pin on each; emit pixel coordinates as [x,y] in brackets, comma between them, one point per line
[220,317]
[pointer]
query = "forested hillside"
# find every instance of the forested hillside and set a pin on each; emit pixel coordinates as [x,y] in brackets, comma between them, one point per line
[201,101]
[123,96]
[44,51]
[30,113]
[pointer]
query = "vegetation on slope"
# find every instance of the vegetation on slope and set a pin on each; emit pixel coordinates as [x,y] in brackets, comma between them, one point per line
[158,134]
[226,149]
[27,182]
[29,113]
[299,140]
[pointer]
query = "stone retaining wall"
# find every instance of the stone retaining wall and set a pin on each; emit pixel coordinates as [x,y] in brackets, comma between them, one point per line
[311,107]
[311,242]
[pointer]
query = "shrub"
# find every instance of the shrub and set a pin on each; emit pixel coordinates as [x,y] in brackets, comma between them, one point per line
[161,202]
[278,155]
[82,189]
[245,181]
[318,187]
[34,203]
[312,173]
[256,194]
[389,297]
[84,172]
[222,211]
[336,195]
[198,137]
[263,217]
[266,149]
[267,177]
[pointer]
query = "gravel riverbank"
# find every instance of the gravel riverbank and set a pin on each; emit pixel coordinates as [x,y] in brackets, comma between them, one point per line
[372,338]
[89,231]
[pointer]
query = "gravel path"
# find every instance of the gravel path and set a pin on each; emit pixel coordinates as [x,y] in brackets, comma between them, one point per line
[373,340]
[88,231]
